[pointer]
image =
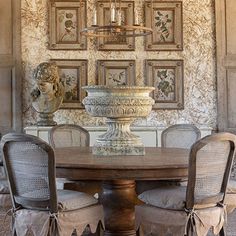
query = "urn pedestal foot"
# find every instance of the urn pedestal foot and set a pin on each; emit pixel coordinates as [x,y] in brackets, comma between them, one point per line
[118,140]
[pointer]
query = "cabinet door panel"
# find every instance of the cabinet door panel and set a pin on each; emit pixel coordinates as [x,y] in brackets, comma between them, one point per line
[6,27]
[231,85]
[231,26]
[10,74]
[5,97]
[226,64]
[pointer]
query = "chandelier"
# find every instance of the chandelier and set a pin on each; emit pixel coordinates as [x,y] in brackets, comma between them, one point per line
[115,28]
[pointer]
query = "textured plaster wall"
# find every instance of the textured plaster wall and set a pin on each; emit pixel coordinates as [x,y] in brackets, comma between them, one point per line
[198,56]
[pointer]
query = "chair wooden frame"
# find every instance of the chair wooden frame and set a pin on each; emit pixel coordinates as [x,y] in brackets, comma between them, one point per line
[185,127]
[24,202]
[87,186]
[68,126]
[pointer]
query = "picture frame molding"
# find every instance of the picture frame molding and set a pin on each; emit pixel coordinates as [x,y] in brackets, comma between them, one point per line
[82,70]
[177,44]
[54,43]
[178,65]
[102,65]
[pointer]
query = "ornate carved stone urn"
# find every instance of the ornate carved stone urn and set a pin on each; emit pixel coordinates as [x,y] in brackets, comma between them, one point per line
[121,105]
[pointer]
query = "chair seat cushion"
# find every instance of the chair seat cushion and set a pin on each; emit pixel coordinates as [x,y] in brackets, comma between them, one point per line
[165,197]
[4,189]
[72,200]
[172,198]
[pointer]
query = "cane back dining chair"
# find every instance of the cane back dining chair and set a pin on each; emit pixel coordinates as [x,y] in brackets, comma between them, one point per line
[38,207]
[70,135]
[175,136]
[180,136]
[190,134]
[180,210]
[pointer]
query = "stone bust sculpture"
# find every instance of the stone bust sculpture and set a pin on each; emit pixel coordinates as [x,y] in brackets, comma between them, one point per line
[47,95]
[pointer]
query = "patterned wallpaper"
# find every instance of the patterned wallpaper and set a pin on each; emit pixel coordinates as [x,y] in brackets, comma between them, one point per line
[198,56]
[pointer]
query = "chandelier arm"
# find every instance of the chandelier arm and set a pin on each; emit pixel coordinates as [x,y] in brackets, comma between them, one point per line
[115,29]
[99,31]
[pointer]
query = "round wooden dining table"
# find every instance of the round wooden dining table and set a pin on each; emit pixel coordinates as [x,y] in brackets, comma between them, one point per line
[118,174]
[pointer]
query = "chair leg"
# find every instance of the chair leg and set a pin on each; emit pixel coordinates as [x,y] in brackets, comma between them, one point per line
[222,232]
[138,232]
[99,231]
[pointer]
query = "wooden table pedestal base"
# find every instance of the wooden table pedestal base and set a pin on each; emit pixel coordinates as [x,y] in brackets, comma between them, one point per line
[118,200]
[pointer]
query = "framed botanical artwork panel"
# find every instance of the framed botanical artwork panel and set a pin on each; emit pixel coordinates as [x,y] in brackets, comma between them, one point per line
[127,18]
[167,78]
[116,72]
[73,74]
[66,20]
[166,20]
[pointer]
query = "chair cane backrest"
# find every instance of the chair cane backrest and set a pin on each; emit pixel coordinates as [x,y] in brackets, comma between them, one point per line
[68,135]
[180,136]
[210,163]
[30,168]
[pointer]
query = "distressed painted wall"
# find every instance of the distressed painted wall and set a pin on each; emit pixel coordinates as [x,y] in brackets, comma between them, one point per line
[198,56]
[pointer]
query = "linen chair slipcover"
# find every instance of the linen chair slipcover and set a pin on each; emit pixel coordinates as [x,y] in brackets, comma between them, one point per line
[175,136]
[180,210]
[38,207]
[70,135]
